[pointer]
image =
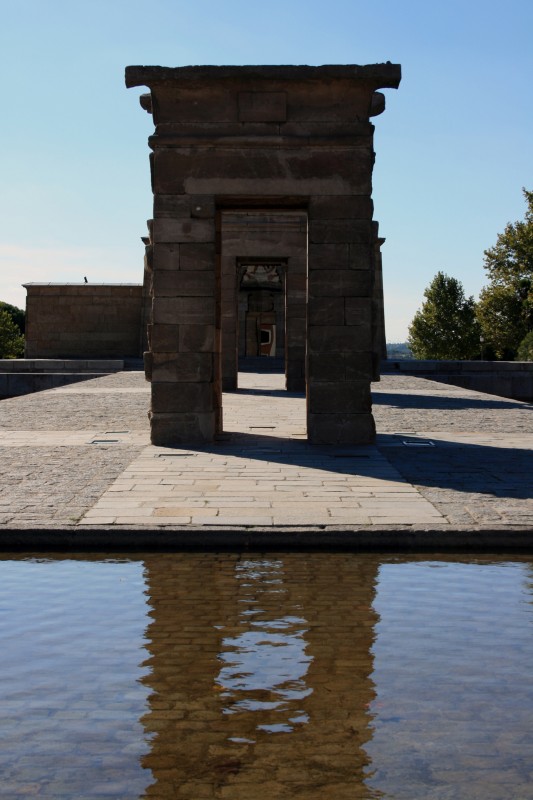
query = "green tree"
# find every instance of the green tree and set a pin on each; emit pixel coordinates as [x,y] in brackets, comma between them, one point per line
[499,312]
[445,327]
[16,314]
[525,350]
[11,339]
[505,309]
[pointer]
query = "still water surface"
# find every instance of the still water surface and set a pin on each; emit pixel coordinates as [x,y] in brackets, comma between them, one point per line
[277,676]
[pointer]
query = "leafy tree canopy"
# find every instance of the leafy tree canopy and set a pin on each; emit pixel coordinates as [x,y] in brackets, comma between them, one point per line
[510,261]
[499,312]
[11,339]
[16,314]
[505,309]
[445,327]
[525,349]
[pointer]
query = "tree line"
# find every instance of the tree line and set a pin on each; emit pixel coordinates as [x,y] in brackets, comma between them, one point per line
[499,325]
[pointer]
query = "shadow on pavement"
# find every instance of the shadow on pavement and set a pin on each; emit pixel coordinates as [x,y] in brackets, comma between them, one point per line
[447,403]
[503,472]
[362,460]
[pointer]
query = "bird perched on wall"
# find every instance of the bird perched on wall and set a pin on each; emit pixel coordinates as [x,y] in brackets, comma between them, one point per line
[85,279]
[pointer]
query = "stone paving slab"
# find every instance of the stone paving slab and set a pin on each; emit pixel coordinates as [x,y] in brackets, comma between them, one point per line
[234,486]
[448,463]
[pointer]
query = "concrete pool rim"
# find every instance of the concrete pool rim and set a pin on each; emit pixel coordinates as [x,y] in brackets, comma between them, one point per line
[397,539]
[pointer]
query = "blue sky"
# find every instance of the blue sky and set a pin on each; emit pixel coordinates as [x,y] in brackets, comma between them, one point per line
[454,147]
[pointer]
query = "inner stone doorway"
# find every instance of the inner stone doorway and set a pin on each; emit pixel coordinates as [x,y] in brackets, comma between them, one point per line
[263,291]
[261,310]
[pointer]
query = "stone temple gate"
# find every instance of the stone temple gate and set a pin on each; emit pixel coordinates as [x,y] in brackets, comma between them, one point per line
[262,241]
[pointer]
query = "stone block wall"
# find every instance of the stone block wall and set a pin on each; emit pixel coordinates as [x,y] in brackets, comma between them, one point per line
[83,320]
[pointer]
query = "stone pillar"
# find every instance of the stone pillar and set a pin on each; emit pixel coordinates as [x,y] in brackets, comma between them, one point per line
[295,321]
[229,238]
[146,309]
[229,318]
[339,361]
[184,372]
[378,316]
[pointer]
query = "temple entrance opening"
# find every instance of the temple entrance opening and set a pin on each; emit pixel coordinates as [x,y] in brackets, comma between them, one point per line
[263,292]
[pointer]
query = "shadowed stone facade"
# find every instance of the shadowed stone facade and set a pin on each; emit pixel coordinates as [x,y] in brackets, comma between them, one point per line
[84,320]
[266,145]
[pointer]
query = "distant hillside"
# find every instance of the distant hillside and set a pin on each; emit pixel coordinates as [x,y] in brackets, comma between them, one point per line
[397,350]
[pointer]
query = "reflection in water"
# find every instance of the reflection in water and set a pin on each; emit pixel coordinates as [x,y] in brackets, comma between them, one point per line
[265,662]
[260,676]
[294,676]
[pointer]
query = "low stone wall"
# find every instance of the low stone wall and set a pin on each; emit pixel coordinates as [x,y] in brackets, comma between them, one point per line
[512,379]
[63,365]
[83,320]
[16,384]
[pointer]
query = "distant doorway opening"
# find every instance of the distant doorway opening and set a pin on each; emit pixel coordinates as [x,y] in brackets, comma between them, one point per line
[261,308]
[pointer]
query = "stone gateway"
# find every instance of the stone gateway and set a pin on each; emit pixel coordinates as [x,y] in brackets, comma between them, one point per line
[262,241]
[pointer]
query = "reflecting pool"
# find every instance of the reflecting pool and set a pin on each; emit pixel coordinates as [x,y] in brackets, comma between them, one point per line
[266,676]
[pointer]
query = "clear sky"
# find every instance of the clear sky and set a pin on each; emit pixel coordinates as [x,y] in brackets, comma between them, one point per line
[454,146]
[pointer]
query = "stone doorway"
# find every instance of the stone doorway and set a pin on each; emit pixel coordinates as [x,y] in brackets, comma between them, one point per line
[261,310]
[263,291]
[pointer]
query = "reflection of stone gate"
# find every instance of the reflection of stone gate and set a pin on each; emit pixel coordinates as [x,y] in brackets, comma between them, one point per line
[230,713]
[234,145]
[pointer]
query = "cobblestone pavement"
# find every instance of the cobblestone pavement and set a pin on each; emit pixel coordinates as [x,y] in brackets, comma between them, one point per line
[52,472]
[79,456]
[403,403]
[56,485]
[118,401]
[478,467]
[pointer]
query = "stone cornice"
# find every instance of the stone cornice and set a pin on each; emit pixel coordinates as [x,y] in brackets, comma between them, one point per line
[378,75]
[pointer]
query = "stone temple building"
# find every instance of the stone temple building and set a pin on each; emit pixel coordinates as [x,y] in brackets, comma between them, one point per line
[262,244]
[262,239]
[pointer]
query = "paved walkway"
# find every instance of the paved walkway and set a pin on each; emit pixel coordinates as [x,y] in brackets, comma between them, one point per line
[449,463]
